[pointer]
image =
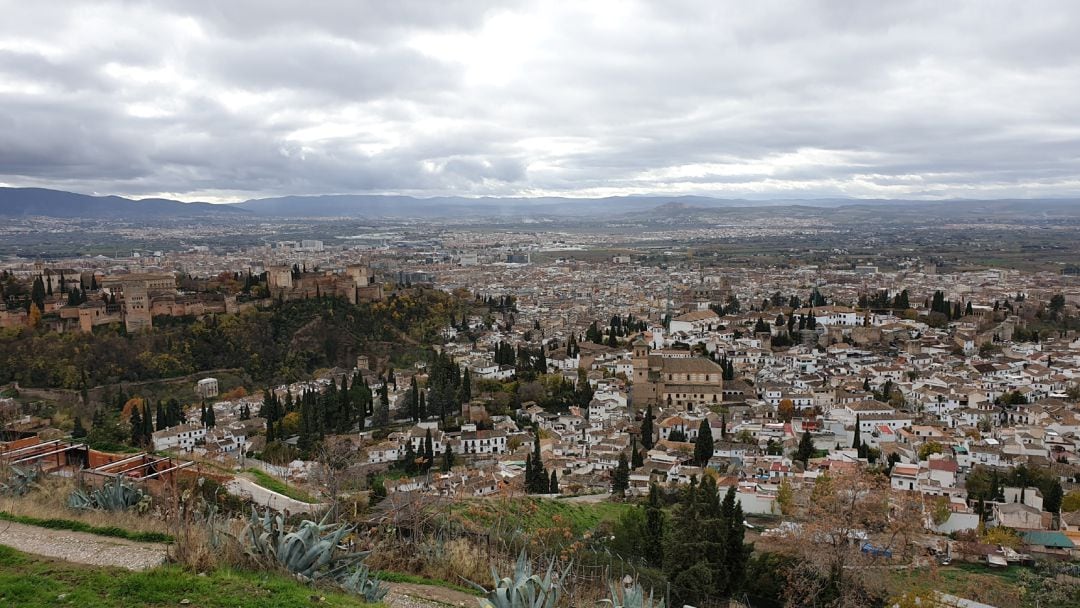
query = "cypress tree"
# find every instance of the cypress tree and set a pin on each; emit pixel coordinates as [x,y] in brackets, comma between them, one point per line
[136,426]
[805,449]
[147,424]
[466,385]
[620,480]
[77,430]
[410,458]
[654,528]
[703,446]
[429,451]
[736,552]
[530,474]
[684,568]
[448,458]
[636,460]
[647,429]
[553,486]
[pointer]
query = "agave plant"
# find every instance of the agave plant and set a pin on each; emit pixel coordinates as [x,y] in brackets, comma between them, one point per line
[118,495]
[20,481]
[360,582]
[312,551]
[524,589]
[631,597]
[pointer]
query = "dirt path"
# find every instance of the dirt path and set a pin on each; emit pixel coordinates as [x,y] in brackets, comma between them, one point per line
[410,595]
[82,548]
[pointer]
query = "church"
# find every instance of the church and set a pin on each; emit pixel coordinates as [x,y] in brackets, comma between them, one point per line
[680,382]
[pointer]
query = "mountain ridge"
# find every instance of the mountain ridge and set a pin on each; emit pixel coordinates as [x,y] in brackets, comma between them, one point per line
[25,202]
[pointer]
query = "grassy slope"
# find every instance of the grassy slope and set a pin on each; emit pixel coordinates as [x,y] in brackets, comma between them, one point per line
[32,582]
[276,485]
[971,581]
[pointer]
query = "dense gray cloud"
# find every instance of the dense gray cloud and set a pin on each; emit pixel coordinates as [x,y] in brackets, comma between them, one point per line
[233,100]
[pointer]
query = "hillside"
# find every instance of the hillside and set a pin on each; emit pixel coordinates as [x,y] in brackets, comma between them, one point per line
[24,202]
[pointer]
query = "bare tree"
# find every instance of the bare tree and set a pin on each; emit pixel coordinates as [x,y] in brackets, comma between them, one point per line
[336,457]
[847,511]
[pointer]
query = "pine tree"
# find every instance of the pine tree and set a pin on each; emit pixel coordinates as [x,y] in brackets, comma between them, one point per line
[647,429]
[703,446]
[553,486]
[620,480]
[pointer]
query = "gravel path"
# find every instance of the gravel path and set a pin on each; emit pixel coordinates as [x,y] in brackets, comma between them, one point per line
[82,548]
[409,595]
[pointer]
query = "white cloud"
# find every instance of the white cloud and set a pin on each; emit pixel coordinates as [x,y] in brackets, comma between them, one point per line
[210,100]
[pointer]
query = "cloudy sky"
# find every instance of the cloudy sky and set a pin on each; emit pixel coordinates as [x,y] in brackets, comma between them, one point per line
[229,100]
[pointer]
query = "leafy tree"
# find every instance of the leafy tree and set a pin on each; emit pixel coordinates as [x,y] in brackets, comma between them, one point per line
[34,318]
[1071,502]
[785,498]
[1057,305]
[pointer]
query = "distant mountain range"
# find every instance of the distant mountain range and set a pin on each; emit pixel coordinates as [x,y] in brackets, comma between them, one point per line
[22,202]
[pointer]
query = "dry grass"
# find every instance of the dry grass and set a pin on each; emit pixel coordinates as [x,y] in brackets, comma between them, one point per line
[455,561]
[49,501]
[200,547]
